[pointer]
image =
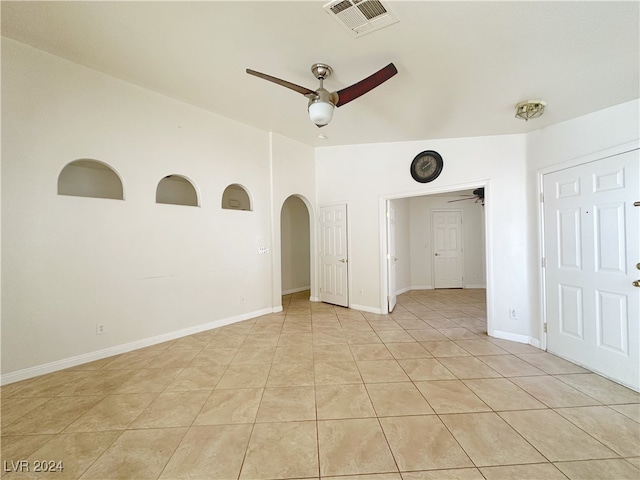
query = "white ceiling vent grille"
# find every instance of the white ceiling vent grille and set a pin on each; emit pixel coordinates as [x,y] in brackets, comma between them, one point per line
[360,16]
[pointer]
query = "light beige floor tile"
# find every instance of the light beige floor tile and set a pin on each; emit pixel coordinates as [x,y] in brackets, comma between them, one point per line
[197,341]
[600,388]
[427,335]
[49,385]
[227,340]
[148,380]
[617,469]
[448,474]
[451,396]
[468,367]
[140,454]
[343,401]
[551,364]
[212,451]
[354,446]
[244,376]
[635,461]
[553,392]
[53,416]
[546,471]
[406,350]
[261,340]
[291,375]
[214,356]
[172,409]
[420,369]
[100,382]
[371,352]
[295,339]
[395,336]
[632,411]
[287,404]
[336,372]
[174,358]
[115,412]
[14,408]
[481,347]
[360,337]
[329,338]
[372,476]
[410,323]
[332,353]
[74,452]
[228,406]
[282,450]
[447,348]
[382,371]
[554,437]
[134,360]
[510,365]
[397,399]
[19,447]
[423,443]
[513,347]
[301,353]
[253,354]
[295,328]
[489,440]
[384,324]
[619,433]
[197,378]
[458,333]
[501,394]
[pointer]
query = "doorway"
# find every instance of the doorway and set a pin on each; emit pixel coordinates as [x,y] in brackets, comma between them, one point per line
[446,230]
[295,246]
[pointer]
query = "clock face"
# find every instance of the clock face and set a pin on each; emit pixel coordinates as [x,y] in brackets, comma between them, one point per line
[426,166]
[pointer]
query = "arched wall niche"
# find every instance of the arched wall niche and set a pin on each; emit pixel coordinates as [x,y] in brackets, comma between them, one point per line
[177,190]
[90,178]
[236,197]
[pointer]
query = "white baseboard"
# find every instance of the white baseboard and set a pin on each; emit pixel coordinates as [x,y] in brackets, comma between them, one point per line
[473,285]
[127,347]
[295,290]
[314,299]
[403,290]
[422,287]
[534,342]
[514,337]
[365,308]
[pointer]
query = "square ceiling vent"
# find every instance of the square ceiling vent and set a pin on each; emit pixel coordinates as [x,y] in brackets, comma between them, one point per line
[361,16]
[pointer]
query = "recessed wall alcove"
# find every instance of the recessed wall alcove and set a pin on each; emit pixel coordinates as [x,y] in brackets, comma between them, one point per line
[236,197]
[177,190]
[90,178]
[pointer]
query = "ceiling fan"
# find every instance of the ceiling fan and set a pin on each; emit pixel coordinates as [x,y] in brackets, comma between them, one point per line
[321,101]
[478,196]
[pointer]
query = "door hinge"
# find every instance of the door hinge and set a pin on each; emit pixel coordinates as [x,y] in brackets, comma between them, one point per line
[544,328]
[544,262]
[541,197]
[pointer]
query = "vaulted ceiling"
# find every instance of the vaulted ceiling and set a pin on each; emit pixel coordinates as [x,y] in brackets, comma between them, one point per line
[462,65]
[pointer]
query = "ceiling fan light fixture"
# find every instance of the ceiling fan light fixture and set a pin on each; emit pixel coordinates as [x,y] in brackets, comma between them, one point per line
[530,109]
[320,112]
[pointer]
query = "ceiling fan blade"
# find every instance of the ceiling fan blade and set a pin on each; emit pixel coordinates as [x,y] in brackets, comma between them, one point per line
[363,86]
[284,83]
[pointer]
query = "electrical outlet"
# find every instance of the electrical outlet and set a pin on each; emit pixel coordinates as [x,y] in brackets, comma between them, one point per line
[512,313]
[99,329]
[242,300]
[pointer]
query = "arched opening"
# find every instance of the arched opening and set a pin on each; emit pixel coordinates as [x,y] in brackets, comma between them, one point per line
[295,244]
[90,178]
[236,197]
[176,190]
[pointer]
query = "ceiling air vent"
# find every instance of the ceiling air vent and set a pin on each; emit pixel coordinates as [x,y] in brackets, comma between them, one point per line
[360,16]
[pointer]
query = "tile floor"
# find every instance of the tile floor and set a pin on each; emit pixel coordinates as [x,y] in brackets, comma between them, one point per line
[319,392]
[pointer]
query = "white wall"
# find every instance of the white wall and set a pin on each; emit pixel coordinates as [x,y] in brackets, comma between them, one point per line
[143,270]
[364,175]
[295,245]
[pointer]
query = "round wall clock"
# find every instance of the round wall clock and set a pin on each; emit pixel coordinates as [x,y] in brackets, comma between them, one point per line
[426,166]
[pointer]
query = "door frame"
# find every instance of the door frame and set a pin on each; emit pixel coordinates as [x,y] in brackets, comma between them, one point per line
[433,266]
[384,274]
[574,162]
[347,205]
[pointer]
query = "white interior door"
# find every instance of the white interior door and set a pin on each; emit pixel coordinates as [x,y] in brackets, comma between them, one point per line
[446,226]
[391,255]
[333,255]
[592,246]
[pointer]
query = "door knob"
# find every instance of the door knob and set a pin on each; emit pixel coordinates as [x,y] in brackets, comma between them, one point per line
[638,265]
[437,254]
[636,283]
[342,260]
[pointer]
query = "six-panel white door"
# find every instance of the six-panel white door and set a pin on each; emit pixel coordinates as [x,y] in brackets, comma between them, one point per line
[333,255]
[447,248]
[592,245]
